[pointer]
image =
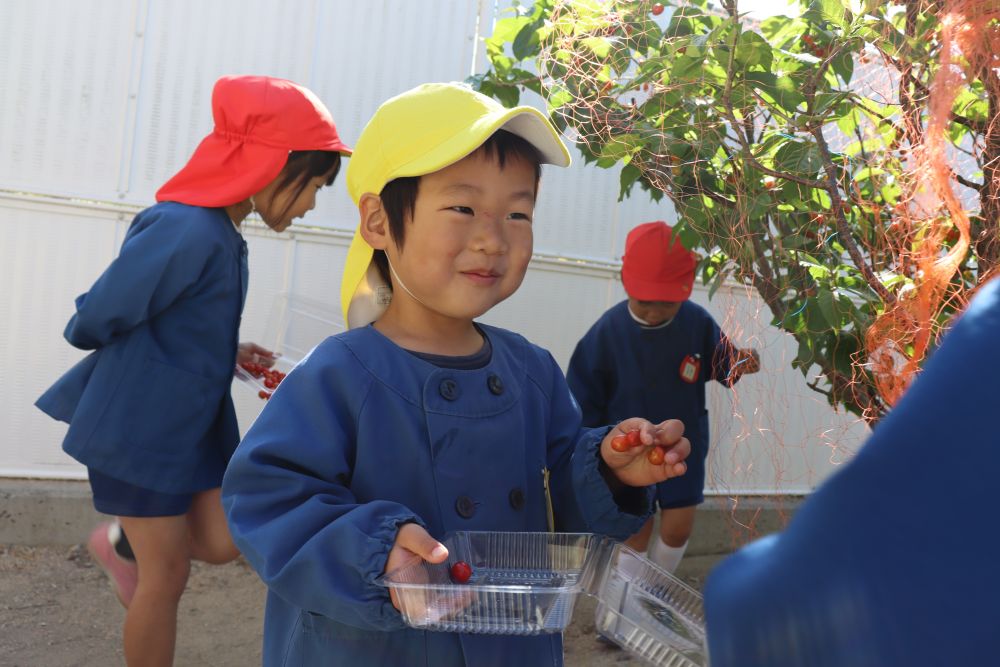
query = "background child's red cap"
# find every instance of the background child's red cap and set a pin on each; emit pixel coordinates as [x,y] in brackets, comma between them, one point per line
[258,121]
[656,267]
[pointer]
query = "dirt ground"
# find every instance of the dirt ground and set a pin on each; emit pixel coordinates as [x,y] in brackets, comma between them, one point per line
[57,609]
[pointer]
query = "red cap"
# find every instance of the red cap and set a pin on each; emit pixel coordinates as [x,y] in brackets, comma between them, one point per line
[258,121]
[657,267]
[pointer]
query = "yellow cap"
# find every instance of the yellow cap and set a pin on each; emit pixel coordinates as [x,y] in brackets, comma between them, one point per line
[419,132]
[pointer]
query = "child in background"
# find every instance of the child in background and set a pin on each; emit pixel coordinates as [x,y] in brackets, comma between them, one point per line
[893,559]
[651,355]
[149,410]
[389,436]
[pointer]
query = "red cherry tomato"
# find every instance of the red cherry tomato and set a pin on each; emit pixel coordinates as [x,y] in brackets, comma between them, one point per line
[263,394]
[633,439]
[461,572]
[657,9]
[619,444]
[656,455]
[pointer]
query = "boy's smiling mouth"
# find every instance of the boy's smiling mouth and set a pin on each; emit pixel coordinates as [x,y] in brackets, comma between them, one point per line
[481,276]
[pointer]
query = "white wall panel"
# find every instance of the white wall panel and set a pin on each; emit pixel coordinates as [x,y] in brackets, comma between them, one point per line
[64,72]
[367,52]
[185,46]
[54,253]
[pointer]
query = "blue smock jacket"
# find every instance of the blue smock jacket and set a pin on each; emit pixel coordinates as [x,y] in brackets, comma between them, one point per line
[151,405]
[622,369]
[363,436]
[893,560]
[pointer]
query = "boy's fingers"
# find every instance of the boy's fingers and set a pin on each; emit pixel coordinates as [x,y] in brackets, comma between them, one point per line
[414,538]
[669,431]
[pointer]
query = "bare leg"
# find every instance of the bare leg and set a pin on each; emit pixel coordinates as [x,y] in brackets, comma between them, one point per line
[162,552]
[676,525]
[640,541]
[210,538]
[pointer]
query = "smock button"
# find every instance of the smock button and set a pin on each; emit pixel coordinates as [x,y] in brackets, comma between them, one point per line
[465,507]
[495,384]
[516,498]
[448,389]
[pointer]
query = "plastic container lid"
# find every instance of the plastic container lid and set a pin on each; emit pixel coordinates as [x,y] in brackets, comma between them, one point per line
[528,583]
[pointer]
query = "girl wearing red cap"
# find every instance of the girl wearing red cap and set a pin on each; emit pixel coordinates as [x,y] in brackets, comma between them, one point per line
[149,410]
[651,356]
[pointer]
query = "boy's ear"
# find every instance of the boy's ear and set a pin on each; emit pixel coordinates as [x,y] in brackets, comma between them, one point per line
[374,222]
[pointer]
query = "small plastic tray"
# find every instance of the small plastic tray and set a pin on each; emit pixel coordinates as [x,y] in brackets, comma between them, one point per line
[521,584]
[282,364]
[649,612]
[295,325]
[528,583]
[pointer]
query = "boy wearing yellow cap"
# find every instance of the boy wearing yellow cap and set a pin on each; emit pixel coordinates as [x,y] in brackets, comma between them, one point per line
[419,421]
[651,355]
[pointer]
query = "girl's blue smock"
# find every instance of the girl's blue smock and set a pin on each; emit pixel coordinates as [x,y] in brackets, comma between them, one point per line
[893,560]
[151,404]
[363,436]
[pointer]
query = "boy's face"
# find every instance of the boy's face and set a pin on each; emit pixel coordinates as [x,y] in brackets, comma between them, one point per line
[654,313]
[469,241]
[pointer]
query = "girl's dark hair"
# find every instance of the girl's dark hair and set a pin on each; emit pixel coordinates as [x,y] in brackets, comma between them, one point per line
[302,167]
[399,196]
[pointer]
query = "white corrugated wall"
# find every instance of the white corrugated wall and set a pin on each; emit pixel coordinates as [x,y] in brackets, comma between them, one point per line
[102,100]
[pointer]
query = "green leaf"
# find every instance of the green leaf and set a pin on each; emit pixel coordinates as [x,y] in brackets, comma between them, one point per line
[827,10]
[720,278]
[781,90]
[600,46]
[798,157]
[752,50]
[626,179]
[843,64]
[526,42]
[829,307]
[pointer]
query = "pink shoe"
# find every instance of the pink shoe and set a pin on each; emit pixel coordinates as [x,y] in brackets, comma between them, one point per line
[124,574]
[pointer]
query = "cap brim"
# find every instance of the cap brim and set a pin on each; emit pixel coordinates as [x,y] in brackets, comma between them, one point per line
[526,122]
[649,291]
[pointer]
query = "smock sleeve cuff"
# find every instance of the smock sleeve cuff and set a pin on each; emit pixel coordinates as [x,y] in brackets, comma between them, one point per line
[618,513]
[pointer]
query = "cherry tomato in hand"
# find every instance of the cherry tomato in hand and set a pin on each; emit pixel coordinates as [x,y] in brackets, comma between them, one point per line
[619,443]
[656,455]
[461,572]
[633,439]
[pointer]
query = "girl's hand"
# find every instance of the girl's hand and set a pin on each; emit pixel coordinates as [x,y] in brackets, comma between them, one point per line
[413,543]
[252,353]
[652,454]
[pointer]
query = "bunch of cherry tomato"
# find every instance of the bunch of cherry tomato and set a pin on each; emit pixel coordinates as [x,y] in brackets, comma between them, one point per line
[272,377]
[626,441]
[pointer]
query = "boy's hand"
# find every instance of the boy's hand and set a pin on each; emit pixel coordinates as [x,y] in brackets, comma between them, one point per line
[413,543]
[633,466]
[747,362]
[252,353]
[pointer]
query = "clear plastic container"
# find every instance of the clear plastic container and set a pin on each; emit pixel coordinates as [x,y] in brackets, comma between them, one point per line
[528,583]
[649,612]
[521,583]
[295,325]
[258,384]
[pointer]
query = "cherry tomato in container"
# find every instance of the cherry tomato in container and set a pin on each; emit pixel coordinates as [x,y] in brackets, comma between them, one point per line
[461,572]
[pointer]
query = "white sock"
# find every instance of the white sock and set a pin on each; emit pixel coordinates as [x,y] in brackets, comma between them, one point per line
[664,555]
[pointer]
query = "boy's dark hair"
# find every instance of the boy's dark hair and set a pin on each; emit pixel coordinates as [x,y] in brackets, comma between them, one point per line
[302,167]
[399,196]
